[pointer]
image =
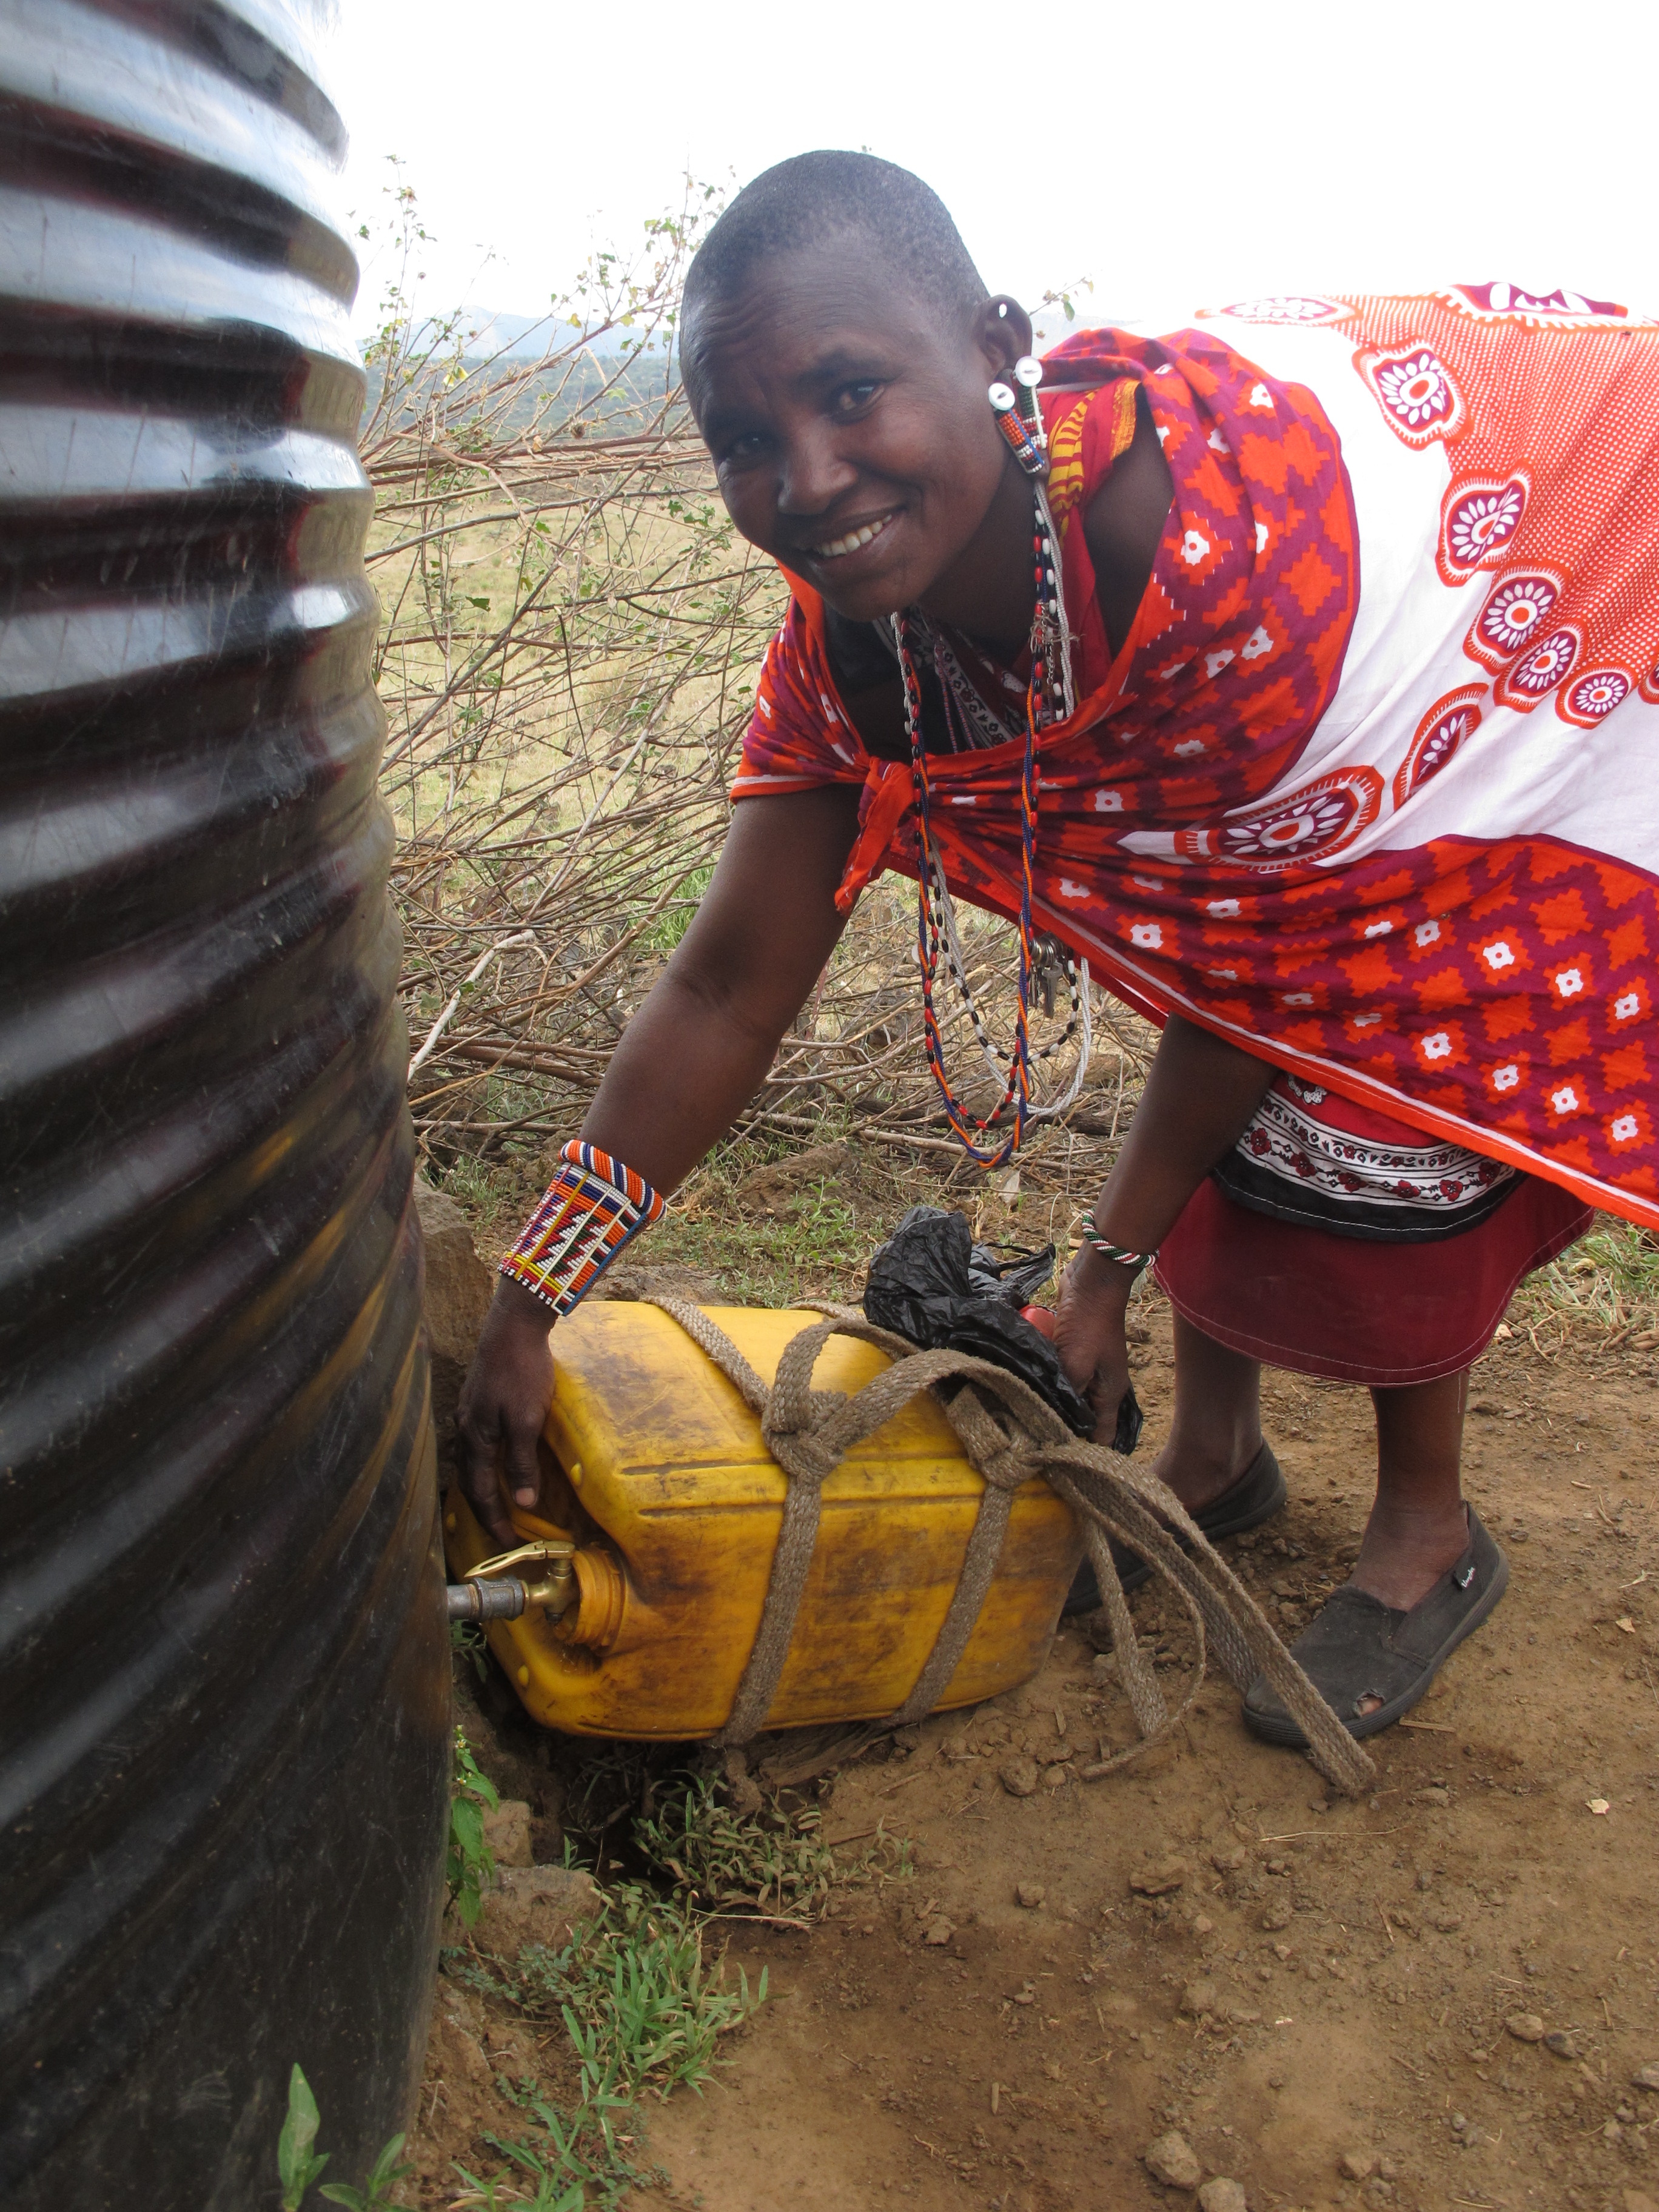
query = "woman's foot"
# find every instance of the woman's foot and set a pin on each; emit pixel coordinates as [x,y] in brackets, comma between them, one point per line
[1257,1495]
[1406,1549]
[1370,1662]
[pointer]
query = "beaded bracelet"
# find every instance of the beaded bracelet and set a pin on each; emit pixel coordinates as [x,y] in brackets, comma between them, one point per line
[1119,1254]
[593,1206]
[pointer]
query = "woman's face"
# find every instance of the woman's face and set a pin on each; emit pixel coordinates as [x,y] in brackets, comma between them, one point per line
[848,423]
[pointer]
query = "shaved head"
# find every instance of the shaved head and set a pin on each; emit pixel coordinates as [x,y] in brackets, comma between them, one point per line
[816,197]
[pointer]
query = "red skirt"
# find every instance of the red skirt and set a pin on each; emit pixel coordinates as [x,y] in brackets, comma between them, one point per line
[1350,1308]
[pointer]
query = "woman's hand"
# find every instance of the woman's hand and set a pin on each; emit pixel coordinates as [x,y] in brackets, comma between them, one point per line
[1094,1297]
[504,1405]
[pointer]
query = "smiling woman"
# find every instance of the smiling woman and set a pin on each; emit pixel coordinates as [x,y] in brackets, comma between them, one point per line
[1186,657]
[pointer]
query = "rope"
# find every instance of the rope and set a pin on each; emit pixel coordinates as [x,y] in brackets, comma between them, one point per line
[1011,1436]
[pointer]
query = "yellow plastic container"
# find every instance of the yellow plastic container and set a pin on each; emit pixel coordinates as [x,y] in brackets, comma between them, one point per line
[674,1502]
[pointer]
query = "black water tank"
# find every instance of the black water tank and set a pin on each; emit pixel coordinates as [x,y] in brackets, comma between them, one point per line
[223,1666]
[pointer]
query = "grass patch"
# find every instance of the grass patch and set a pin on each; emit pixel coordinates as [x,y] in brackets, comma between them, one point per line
[1606,1286]
[779,1864]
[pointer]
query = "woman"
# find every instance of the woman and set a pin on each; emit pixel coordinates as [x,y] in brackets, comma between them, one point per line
[1326,643]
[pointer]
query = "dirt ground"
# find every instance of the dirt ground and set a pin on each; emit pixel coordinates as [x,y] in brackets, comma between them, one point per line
[1329,1981]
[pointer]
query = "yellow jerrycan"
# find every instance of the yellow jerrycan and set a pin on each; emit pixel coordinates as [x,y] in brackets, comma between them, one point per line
[663,1486]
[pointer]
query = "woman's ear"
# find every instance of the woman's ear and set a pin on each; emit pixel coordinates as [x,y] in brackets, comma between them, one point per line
[1005,335]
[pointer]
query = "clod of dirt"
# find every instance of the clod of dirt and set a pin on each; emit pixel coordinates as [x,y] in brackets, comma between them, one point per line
[1056,1776]
[1525,2026]
[1031,1894]
[1432,1796]
[507,1833]
[1560,2045]
[1646,2077]
[1019,1777]
[1448,1923]
[1200,1998]
[534,1905]
[1278,1915]
[1222,2195]
[1357,2165]
[1103,1666]
[940,1932]
[1171,2160]
[1159,1879]
[1229,1859]
[1203,1925]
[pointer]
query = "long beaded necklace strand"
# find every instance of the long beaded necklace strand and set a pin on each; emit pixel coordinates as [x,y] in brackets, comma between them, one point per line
[1048,699]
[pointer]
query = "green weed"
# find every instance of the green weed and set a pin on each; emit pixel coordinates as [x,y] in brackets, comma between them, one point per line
[776,1863]
[470,1860]
[298,2165]
[635,1994]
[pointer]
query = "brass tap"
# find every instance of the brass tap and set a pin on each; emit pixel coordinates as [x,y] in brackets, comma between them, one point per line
[556,1592]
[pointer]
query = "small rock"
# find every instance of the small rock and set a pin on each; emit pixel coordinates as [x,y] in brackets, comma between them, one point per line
[1031,1894]
[1229,1858]
[1203,1925]
[1560,2045]
[1222,2196]
[1525,2026]
[1056,1776]
[1169,2158]
[1434,1795]
[458,1294]
[1200,1998]
[1646,2077]
[940,1932]
[1357,2165]
[1019,1777]
[1278,1915]
[1241,2015]
[1159,1879]
[1448,1923]
[1103,1666]
[1612,2132]
[507,1833]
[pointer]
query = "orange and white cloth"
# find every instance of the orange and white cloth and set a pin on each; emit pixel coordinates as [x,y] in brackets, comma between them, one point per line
[1367,787]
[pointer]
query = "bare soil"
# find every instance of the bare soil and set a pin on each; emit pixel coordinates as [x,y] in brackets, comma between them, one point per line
[1329,1981]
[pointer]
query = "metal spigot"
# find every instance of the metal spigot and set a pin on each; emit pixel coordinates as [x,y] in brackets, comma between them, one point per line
[491,1591]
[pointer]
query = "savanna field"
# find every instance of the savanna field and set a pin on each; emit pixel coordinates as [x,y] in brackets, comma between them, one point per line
[939,1965]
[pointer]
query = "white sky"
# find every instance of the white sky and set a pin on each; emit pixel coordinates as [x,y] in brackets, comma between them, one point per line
[1180,153]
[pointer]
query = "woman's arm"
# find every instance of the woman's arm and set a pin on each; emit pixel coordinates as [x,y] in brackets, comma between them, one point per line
[1198,1097]
[688,1064]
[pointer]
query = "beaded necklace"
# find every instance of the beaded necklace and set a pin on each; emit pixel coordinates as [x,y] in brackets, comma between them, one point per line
[1048,699]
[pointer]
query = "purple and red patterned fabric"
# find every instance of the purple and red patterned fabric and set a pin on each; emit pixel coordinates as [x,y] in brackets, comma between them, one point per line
[1365,788]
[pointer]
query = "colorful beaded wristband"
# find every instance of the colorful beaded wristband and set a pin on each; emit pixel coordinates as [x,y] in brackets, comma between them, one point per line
[1119,1254]
[593,1206]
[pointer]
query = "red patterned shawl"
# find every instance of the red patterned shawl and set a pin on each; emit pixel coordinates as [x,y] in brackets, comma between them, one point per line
[1365,788]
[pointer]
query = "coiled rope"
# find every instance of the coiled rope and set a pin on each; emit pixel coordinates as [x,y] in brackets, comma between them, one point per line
[1009,1436]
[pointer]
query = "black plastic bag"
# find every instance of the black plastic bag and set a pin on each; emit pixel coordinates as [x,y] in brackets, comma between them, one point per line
[932,1283]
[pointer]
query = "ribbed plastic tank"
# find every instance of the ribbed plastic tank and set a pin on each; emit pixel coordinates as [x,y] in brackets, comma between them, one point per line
[223,1665]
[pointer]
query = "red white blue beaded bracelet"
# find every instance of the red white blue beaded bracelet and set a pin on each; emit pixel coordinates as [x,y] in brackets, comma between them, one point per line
[1119,1254]
[594,1205]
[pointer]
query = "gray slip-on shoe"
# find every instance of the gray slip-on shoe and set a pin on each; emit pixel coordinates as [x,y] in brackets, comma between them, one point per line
[1356,1647]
